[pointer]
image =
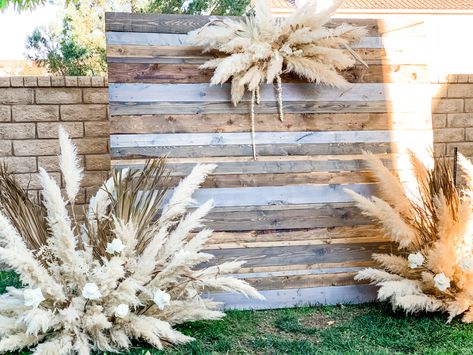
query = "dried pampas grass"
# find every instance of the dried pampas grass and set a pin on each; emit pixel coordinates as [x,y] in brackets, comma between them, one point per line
[261,48]
[129,271]
[433,228]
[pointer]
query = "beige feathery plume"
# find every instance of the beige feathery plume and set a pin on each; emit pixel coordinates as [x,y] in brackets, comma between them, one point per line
[393,263]
[69,164]
[376,275]
[417,303]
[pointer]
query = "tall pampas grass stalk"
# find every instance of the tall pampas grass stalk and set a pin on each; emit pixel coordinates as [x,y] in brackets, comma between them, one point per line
[261,48]
[433,228]
[131,270]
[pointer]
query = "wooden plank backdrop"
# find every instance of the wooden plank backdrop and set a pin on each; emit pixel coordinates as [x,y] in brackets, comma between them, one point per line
[286,213]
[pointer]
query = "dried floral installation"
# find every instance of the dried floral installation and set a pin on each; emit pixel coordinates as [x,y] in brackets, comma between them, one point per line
[127,272]
[261,48]
[433,227]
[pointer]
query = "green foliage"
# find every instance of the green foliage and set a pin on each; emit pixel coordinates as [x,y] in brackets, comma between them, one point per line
[195,7]
[62,54]
[21,5]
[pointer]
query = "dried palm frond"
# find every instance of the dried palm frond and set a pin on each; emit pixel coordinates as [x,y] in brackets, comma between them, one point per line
[261,48]
[434,272]
[127,272]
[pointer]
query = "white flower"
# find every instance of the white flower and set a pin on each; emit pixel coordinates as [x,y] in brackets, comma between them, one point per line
[122,310]
[116,246]
[466,264]
[91,291]
[286,49]
[415,260]
[161,298]
[442,282]
[33,297]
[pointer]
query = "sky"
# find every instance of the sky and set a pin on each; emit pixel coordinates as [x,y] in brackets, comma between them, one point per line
[15,27]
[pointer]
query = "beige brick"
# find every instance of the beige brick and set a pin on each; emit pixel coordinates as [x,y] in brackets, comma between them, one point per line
[80,197]
[97,162]
[20,164]
[96,96]
[460,90]
[84,112]
[16,96]
[35,113]
[17,130]
[5,148]
[31,180]
[443,135]
[58,81]
[466,148]
[50,129]
[439,149]
[35,147]
[469,134]
[97,129]
[58,96]
[51,163]
[4,81]
[70,80]
[91,191]
[452,78]
[16,81]
[30,81]
[447,105]
[91,145]
[84,81]
[468,105]
[460,120]
[94,178]
[5,113]
[97,81]
[439,120]
[44,81]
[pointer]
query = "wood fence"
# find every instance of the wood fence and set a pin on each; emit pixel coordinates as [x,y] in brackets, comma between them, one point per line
[285,213]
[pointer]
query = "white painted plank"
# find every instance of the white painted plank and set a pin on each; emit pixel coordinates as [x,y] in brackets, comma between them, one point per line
[279,195]
[366,92]
[240,138]
[331,295]
[170,39]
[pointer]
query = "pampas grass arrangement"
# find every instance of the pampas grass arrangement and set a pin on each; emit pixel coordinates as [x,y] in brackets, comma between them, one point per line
[261,48]
[126,272]
[433,227]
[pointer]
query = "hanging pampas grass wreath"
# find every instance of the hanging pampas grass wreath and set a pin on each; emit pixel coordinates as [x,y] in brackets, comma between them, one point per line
[432,225]
[261,48]
[126,272]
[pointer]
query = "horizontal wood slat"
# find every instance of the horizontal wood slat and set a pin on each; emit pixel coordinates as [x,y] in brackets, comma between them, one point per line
[286,213]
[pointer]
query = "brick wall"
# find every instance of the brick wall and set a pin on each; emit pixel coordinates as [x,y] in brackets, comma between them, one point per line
[31,108]
[452,115]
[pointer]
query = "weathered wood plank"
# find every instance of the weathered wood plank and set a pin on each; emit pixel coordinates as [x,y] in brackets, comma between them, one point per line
[330,295]
[268,123]
[190,73]
[166,23]
[267,165]
[308,254]
[280,195]
[281,217]
[275,138]
[197,151]
[305,267]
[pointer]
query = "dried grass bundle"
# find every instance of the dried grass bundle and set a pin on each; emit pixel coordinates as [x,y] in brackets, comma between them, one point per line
[127,272]
[434,231]
[261,48]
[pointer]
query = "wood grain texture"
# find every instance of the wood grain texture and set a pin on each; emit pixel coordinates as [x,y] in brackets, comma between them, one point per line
[293,122]
[284,298]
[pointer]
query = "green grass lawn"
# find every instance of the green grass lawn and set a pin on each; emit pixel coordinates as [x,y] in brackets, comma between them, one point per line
[362,329]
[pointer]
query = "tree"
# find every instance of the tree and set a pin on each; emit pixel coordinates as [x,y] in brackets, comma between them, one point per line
[196,7]
[21,5]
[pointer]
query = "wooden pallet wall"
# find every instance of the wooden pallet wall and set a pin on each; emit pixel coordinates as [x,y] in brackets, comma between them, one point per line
[285,213]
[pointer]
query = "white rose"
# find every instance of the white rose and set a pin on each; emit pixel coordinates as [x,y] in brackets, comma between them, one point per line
[161,298]
[442,282]
[466,264]
[91,291]
[415,260]
[116,246]
[122,310]
[33,297]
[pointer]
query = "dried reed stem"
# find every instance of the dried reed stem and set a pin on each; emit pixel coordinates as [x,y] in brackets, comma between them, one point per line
[252,114]
[279,97]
